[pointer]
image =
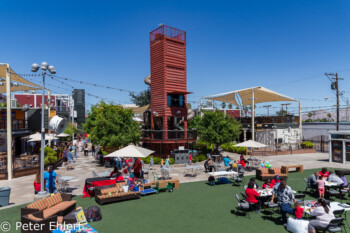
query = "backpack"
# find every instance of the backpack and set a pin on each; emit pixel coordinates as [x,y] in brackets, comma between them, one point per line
[93,213]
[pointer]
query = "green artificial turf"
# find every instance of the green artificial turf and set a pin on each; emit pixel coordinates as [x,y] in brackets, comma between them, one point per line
[194,207]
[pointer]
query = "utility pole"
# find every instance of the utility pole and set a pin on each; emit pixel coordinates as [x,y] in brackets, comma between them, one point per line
[268,109]
[335,86]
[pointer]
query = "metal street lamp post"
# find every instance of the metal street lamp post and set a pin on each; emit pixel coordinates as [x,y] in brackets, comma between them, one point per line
[35,67]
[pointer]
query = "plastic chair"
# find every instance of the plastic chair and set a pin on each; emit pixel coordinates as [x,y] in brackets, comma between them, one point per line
[307,185]
[334,225]
[243,206]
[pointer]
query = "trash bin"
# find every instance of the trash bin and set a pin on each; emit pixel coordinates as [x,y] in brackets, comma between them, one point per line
[4,196]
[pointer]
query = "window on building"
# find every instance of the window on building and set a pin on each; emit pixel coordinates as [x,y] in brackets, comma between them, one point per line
[175,100]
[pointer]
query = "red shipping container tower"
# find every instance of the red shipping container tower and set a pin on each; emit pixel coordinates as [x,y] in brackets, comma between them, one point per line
[168,116]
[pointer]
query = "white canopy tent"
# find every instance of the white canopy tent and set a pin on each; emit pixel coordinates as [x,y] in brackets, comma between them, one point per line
[132,152]
[252,96]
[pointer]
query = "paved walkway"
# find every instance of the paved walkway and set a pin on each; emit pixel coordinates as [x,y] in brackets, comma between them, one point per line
[22,190]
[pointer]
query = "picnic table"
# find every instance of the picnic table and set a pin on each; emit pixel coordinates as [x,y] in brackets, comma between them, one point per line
[330,184]
[267,192]
[223,174]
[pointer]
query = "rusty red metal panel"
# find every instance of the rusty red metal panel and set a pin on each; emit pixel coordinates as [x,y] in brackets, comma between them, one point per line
[168,73]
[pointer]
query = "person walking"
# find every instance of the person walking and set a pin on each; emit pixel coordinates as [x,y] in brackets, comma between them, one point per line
[285,197]
[93,150]
[86,149]
[70,160]
[50,179]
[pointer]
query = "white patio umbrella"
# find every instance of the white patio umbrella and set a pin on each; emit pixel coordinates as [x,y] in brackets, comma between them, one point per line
[251,144]
[37,137]
[131,151]
[63,135]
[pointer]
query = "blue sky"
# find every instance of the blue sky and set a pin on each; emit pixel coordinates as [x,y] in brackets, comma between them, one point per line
[283,45]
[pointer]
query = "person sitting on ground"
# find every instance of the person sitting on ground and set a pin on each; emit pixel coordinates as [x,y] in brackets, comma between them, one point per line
[253,197]
[335,179]
[256,186]
[345,182]
[312,181]
[285,197]
[267,184]
[50,178]
[299,210]
[320,184]
[275,181]
[324,172]
[323,217]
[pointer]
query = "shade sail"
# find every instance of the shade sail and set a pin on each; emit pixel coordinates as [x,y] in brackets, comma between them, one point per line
[261,95]
[131,151]
[251,144]
[15,77]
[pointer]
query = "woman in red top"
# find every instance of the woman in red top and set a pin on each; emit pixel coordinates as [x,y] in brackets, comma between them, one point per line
[252,197]
[324,173]
[37,186]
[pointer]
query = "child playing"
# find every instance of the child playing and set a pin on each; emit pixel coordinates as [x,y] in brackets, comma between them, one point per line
[151,163]
[320,184]
[162,162]
[167,161]
[299,210]
[267,184]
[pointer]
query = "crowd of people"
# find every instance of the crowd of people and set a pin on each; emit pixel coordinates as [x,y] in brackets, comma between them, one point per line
[211,165]
[284,196]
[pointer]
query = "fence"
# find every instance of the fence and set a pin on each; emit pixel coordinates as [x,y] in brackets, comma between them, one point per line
[321,143]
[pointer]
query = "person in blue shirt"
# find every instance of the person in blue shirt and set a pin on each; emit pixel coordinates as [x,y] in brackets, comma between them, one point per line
[70,159]
[227,161]
[50,177]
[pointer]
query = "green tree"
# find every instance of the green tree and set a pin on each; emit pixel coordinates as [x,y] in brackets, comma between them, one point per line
[193,124]
[50,156]
[189,106]
[216,128]
[329,117]
[281,113]
[223,105]
[230,106]
[310,114]
[70,129]
[111,125]
[142,98]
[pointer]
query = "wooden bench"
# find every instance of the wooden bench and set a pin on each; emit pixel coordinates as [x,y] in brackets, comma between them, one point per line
[299,168]
[164,183]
